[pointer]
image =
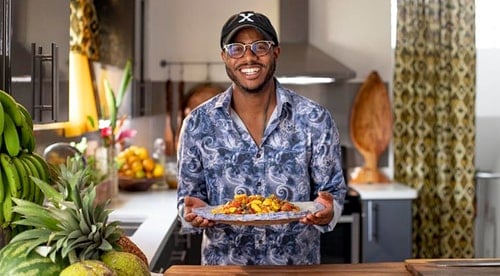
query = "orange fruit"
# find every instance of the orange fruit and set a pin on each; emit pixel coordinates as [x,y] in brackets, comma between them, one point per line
[128,173]
[132,159]
[136,166]
[142,152]
[140,174]
[148,164]
[158,170]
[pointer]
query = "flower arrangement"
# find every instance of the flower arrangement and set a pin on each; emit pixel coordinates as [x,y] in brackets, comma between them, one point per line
[113,130]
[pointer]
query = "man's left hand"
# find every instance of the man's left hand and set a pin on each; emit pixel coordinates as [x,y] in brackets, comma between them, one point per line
[323,216]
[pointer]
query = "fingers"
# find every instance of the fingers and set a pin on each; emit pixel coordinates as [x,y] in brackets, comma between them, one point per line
[192,218]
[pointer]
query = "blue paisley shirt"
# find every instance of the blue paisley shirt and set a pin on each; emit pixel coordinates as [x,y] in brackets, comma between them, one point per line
[299,156]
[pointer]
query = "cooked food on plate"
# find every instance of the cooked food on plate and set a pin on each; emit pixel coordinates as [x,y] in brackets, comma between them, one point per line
[255,204]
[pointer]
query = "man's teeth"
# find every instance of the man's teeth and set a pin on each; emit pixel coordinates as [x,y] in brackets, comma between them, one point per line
[249,70]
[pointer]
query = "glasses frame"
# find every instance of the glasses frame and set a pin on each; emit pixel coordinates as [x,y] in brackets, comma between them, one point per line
[249,45]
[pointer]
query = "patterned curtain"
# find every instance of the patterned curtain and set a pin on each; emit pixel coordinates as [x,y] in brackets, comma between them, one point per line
[84,47]
[434,122]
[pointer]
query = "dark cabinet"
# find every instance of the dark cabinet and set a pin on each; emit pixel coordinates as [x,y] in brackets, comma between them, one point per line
[386,230]
[34,56]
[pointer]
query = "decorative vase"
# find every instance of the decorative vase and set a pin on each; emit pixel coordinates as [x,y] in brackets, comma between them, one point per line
[108,188]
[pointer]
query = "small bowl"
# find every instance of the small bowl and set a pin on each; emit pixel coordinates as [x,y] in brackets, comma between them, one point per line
[136,184]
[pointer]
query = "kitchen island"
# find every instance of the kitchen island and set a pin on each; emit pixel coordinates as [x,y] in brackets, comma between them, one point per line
[390,269]
[455,267]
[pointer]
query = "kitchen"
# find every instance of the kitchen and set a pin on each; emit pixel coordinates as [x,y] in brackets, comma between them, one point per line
[335,33]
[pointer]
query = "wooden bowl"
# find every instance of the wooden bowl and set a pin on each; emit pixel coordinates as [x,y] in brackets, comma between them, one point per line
[136,184]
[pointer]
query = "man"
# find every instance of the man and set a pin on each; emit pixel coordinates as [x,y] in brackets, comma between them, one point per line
[258,138]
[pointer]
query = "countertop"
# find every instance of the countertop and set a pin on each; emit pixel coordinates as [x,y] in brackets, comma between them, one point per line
[381,191]
[326,269]
[156,210]
[430,267]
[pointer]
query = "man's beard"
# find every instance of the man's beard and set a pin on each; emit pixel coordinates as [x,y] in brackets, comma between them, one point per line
[269,77]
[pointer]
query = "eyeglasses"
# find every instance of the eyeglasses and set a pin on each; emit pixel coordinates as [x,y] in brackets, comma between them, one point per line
[259,48]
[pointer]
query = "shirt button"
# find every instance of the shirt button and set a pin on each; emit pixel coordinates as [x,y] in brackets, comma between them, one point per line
[258,155]
[258,184]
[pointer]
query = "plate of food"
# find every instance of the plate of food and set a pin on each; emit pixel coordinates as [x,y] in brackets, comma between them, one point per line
[258,210]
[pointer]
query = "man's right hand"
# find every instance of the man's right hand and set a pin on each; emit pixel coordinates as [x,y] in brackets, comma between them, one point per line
[195,220]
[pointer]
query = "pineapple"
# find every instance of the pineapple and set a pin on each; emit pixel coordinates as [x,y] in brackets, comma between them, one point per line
[71,224]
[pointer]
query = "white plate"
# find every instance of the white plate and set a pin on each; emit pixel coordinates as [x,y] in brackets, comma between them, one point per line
[260,219]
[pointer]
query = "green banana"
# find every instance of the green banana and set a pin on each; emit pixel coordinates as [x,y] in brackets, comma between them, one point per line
[35,191]
[40,164]
[11,176]
[2,188]
[10,107]
[25,133]
[27,115]
[10,137]
[24,179]
[2,116]
[7,208]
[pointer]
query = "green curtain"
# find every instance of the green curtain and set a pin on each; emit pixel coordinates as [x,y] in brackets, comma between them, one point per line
[434,122]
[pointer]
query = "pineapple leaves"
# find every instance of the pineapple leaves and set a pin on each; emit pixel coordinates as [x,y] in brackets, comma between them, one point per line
[50,193]
[72,226]
[34,215]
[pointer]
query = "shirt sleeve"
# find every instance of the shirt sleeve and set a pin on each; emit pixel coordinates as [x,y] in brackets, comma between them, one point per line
[190,179]
[326,168]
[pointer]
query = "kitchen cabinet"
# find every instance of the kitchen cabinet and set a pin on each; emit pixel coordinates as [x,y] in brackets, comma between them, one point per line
[386,230]
[386,219]
[34,52]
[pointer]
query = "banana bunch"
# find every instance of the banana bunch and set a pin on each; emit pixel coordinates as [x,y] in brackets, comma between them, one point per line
[20,166]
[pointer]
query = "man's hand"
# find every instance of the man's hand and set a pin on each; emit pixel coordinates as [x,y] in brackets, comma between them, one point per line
[195,220]
[323,216]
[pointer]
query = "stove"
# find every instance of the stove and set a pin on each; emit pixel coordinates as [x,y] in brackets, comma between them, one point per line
[343,244]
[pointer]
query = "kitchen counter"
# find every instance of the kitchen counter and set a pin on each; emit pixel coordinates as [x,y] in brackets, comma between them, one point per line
[384,191]
[456,267]
[326,269]
[154,210]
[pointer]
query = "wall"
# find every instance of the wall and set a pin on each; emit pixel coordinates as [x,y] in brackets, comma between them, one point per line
[183,39]
[487,128]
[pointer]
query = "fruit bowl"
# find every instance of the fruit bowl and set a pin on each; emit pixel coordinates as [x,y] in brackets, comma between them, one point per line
[136,184]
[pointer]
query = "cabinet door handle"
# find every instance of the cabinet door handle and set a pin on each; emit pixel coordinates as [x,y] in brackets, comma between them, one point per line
[372,221]
[37,82]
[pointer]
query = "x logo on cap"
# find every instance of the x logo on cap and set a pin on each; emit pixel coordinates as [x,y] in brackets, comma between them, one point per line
[246,17]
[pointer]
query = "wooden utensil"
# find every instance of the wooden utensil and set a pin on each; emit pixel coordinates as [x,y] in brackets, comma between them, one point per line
[180,111]
[169,133]
[371,128]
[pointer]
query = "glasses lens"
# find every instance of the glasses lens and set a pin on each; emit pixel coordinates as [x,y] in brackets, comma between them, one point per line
[261,48]
[235,50]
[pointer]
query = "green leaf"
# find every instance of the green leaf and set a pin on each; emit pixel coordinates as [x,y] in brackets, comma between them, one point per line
[111,100]
[126,79]
[32,234]
[50,193]
[105,245]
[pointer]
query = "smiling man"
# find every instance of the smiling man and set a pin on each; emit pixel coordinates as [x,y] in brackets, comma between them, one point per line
[258,138]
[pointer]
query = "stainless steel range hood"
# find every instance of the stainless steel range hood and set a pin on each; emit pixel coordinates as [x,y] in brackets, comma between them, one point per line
[299,60]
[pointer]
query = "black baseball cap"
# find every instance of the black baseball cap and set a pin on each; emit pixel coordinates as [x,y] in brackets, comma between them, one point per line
[244,20]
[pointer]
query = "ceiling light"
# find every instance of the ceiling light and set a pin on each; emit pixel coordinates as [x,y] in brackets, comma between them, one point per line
[305,80]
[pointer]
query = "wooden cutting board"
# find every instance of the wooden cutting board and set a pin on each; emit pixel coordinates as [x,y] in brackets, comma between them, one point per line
[371,128]
[452,267]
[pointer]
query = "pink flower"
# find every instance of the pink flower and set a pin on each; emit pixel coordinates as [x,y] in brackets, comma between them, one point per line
[124,134]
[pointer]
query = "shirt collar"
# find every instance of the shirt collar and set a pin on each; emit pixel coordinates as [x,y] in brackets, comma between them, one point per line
[283,99]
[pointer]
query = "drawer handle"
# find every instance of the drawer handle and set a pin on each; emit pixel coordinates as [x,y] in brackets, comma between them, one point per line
[372,220]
